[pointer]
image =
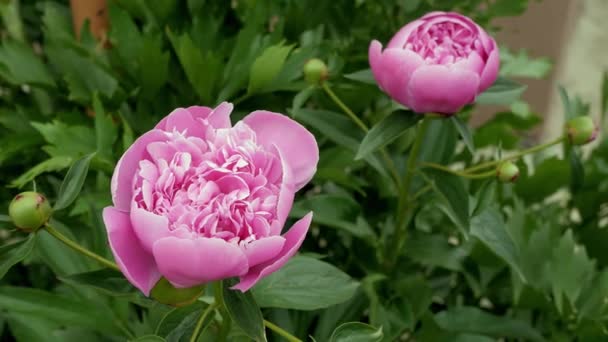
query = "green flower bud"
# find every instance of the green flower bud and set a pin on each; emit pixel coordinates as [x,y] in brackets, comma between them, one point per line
[315,71]
[29,211]
[507,172]
[581,130]
[163,292]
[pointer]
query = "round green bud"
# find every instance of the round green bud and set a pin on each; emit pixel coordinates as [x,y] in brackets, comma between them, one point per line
[163,292]
[29,211]
[581,130]
[507,172]
[315,71]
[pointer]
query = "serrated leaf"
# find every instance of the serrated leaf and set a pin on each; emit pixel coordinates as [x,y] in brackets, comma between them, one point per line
[502,92]
[15,252]
[19,65]
[73,182]
[386,131]
[105,131]
[267,66]
[521,65]
[66,140]
[245,312]
[465,132]
[305,283]
[356,332]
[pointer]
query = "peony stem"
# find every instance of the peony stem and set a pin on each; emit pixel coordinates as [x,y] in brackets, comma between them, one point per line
[289,337]
[516,155]
[460,173]
[75,246]
[199,324]
[389,161]
[413,157]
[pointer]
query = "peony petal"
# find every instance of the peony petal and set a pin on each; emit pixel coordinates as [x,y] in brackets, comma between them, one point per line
[220,116]
[293,240]
[136,264]
[375,55]
[400,38]
[262,250]
[490,72]
[122,179]
[440,89]
[297,145]
[233,183]
[191,262]
[181,120]
[199,112]
[473,62]
[287,193]
[398,65]
[149,227]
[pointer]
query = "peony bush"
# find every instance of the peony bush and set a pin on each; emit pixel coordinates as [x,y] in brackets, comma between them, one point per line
[307,184]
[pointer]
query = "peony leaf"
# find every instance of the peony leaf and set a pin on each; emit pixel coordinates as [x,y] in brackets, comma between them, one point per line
[73,182]
[356,332]
[386,131]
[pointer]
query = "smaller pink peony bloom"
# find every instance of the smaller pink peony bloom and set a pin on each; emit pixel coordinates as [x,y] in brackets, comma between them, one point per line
[198,200]
[438,63]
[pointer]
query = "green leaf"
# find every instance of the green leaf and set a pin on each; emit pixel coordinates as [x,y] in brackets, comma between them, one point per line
[521,65]
[49,165]
[453,195]
[66,140]
[485,196]
[105,131]
[244,311]
[15,252]
[19,65]
[336,211]
[179,322]
[434,250]
[267,66]
[386,131]
[73,182]
[148,338]
[153,63]
[202,70]
[356,332]
[489,227]
[439,141]
[364,76]
[125,37]
[502,92]
[300,99]
[465,132]
[577,170]
[61,309]
[473,320]
[338,129]
[305,283]
[536,187]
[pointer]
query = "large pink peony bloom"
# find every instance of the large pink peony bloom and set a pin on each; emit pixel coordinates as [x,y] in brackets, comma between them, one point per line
[197,200]
[438,63]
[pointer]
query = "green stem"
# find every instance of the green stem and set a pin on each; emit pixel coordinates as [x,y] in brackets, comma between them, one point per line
[422,192]
[201,321]
[387,159]
[412,160]
[289,337]
[75,246]
[515,156]
[241,99]
[460,173]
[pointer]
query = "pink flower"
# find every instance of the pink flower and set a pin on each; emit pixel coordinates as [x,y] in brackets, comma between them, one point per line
[197,200]
[438,63]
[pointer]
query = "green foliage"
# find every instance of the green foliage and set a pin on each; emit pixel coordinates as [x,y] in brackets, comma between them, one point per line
[481,260]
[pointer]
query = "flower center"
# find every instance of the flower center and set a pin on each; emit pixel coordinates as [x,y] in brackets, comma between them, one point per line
[226,186]
[443,43]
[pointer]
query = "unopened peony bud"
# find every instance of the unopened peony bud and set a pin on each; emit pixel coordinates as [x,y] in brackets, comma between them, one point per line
[581,130]
[315,71]
[165,293]
[29,211]
[507,172]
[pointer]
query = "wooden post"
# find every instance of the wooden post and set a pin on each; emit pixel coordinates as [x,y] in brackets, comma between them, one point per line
[96,11]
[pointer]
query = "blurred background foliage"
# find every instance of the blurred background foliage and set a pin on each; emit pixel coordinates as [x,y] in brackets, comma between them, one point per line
[522,262]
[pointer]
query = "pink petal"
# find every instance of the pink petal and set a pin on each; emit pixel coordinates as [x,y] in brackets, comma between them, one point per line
[122,179]
[490,72]
[473,62]
[262,250]
[293,240]
[220,116]
[375,55]
[441,89]
[297,145]
[400,38]
[181,120]
[136,264]
[287,193]
[149,227]
[187,263]
[199,112]
[398,65]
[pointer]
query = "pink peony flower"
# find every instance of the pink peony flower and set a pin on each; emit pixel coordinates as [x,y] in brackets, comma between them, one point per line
[438,63]
[198,200]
